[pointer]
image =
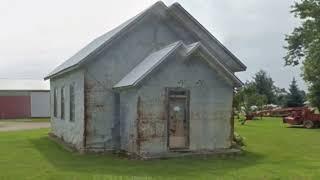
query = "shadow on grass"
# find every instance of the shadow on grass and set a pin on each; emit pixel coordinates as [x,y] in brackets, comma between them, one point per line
[302,127]
[114,165]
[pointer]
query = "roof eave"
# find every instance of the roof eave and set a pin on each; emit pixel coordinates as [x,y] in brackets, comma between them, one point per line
[236,81]
[109,41]
[242,67]
[175,47]
[71,68]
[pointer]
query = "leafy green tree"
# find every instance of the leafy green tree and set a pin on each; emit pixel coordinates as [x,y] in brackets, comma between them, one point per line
[304,45]
[247,96]
[314,95]
[295,97]
[243,96]
[265,85]
[280,96]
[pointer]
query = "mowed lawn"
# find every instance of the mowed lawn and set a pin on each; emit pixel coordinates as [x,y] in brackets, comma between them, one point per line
[273,151]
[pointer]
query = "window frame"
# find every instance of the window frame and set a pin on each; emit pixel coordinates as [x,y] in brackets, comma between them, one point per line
[62,103]
[72,104]
[55,102]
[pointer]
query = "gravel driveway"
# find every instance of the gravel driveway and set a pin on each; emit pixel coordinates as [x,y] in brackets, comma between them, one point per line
[21,125]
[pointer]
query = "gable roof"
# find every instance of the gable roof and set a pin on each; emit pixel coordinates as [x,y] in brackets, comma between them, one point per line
[106,39]
[146,66]
[24,85]
[151,62]
[99,42]
[186,18]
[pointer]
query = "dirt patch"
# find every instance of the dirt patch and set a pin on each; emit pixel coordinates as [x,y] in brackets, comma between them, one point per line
[16,125]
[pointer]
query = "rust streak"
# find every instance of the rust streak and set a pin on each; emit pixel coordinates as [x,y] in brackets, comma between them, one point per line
[139,113]
[86,92]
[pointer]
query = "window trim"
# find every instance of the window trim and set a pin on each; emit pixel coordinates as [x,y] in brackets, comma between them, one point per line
[72,104]
[62,103]
[55,103]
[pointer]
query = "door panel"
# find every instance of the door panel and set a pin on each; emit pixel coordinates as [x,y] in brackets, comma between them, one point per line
[178,127]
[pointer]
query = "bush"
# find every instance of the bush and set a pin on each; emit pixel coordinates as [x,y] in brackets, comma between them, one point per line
[238,141]
[242,120]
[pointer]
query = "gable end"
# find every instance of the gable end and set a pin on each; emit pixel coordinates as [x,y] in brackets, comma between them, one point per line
[186,19]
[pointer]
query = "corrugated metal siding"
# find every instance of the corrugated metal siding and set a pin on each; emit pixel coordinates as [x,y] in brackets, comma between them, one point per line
[15,107]
[40,104]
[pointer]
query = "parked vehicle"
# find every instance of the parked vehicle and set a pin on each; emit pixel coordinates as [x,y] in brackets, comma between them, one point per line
[306,117]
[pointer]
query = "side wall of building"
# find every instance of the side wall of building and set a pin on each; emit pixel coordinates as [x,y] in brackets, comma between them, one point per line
[210,107]
[15,104]
[70,132]
[40,104]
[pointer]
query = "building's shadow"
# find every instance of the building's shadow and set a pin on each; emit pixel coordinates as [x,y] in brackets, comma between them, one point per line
[302,128]
[117,166]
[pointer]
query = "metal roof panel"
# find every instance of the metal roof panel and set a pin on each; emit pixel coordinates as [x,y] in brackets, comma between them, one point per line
[97,43]
[147,65]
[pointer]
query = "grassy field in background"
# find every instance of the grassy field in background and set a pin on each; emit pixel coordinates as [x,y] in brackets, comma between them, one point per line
[273,151]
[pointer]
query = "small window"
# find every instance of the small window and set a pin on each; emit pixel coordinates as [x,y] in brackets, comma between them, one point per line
[55,104]
[62,103]
[72,103]
[176,93]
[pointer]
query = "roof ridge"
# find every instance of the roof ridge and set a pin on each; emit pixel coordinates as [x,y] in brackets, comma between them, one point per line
[194,20]
[99,42]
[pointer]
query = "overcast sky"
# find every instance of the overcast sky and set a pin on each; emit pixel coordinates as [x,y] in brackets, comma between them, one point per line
[38,35]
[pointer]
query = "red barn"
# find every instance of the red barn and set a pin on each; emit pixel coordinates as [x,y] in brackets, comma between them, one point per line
[24,99]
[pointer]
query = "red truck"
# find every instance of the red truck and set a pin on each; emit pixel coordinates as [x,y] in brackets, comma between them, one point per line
[306,117]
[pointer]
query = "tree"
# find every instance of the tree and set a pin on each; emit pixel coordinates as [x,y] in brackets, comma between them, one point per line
[264,85]
[314,95]
[243,97]
[295,97]
[304,46]
[246,97]
[280,96]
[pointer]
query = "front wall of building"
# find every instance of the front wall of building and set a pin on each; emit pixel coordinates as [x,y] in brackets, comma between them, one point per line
[210,107]
[70,132]
[111,66]
[128,120]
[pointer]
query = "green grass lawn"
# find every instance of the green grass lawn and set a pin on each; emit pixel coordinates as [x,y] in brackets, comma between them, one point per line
[273,151]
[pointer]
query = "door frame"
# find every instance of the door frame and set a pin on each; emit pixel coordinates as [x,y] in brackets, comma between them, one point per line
[186,95]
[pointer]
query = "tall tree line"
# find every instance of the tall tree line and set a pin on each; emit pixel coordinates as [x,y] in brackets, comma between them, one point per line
[304,46]
[262,91]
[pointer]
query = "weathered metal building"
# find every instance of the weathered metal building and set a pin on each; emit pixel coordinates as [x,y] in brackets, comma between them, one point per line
[156,84]
[24,98]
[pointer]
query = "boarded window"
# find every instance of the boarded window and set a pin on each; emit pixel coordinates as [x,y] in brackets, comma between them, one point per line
[72,102]
[55,104]
[62,103]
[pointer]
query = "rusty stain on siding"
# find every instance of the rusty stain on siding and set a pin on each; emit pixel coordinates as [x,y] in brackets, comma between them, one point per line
[139,113]
[86,114]
[150,123]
